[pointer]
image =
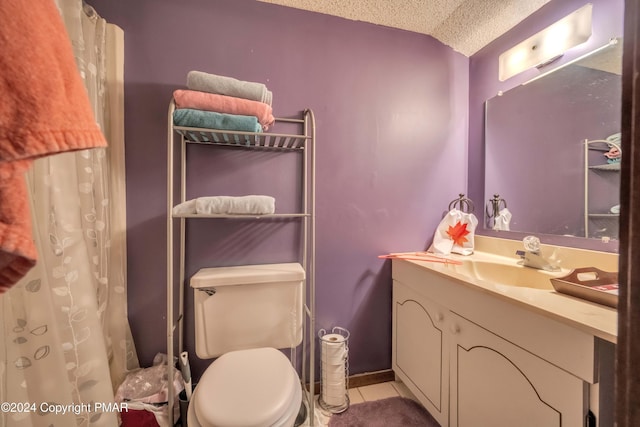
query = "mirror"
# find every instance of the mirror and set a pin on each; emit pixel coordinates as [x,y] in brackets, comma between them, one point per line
[537,161]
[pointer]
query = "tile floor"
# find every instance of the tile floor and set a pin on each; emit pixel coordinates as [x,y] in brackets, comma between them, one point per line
[365,394]
[378,391]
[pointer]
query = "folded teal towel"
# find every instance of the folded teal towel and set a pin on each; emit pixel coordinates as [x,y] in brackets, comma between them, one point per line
[211,120]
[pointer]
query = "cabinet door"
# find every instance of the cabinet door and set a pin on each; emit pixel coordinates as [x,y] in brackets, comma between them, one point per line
[419,349]
[495,383]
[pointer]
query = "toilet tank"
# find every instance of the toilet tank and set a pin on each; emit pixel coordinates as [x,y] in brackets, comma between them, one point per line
[247,306]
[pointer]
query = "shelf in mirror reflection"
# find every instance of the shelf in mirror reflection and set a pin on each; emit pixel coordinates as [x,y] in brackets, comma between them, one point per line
[606,167]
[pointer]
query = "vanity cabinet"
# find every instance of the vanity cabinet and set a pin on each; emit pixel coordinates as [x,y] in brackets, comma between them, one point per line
[420,355]
[473,359]
[496,383]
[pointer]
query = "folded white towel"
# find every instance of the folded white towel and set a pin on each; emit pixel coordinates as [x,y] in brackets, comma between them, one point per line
[455,234]
[260,205]
[227,205]
[188,207]
[502,220]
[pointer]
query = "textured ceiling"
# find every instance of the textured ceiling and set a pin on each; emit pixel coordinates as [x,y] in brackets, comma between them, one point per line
[465,25]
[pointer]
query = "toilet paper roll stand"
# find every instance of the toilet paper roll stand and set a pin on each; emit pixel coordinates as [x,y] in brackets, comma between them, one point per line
[334,366]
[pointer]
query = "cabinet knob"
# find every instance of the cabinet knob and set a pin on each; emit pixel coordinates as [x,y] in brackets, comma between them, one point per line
[455,328]
[439,317]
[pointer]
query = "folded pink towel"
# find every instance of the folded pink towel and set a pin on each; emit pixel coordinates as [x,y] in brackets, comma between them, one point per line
[224,104]
[44,110]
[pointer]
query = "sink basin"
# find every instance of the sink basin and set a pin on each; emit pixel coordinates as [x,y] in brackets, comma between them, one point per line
[509,274]
[491,269]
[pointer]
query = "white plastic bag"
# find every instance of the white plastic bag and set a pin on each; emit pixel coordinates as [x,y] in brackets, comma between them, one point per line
[147,389]
[455,233]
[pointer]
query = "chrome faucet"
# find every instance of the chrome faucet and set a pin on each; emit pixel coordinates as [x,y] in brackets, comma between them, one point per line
[532,255]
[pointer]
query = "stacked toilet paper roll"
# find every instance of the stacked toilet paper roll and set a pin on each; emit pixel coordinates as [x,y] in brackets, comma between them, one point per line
[333,359]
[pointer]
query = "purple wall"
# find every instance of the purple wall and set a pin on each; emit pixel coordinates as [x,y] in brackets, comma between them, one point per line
[391,109]
[484,84]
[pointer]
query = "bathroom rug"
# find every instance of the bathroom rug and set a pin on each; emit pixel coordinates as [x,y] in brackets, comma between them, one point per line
[390,412]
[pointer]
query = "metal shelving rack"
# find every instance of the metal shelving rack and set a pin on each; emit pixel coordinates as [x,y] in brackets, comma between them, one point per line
[599,145]
[303,142]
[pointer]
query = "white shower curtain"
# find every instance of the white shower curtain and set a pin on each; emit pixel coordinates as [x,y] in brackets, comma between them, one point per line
[64,334]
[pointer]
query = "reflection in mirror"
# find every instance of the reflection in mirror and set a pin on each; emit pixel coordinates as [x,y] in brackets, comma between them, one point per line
[537,156]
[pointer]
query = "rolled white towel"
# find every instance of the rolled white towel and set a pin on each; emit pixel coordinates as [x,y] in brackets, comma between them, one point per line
[230,205]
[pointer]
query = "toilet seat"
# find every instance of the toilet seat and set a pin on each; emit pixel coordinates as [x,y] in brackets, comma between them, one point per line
[247,388]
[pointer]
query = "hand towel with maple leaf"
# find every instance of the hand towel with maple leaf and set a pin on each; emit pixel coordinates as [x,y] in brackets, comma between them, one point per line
[455,233]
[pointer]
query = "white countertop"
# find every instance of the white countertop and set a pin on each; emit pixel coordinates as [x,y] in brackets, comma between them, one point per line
[595,319]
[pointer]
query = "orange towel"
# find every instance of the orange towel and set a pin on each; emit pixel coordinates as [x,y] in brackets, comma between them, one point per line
[44,109]
[224,104]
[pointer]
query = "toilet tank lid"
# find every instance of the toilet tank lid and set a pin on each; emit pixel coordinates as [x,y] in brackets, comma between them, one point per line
[247,274]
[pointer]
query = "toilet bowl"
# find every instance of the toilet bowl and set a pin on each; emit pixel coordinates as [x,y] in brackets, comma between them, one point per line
[247,388]
[243,314]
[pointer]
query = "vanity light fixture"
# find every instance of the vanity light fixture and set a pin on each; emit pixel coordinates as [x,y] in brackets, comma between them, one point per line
[547,45]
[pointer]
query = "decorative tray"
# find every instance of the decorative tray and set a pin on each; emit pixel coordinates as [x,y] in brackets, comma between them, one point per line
[591,284]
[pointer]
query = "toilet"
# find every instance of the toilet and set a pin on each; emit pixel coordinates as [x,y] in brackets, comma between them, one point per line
[243,315]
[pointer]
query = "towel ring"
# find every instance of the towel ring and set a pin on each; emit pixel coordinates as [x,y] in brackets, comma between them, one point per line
[496,204]
[462,203]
